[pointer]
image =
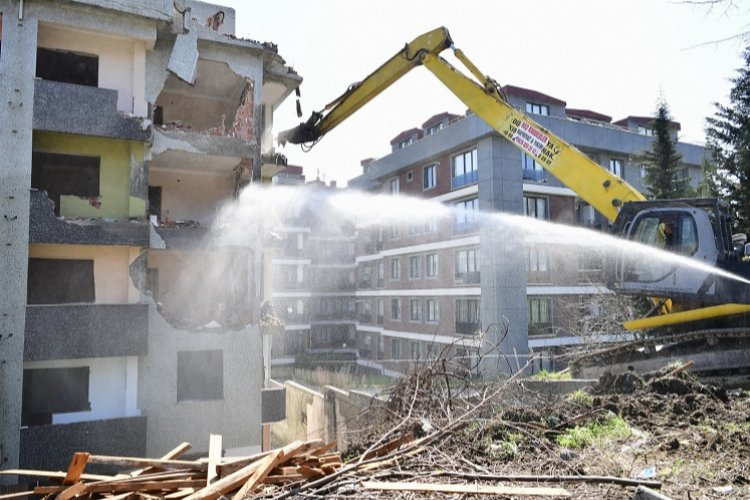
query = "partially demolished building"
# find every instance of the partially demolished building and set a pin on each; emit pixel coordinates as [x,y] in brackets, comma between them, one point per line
[125,327]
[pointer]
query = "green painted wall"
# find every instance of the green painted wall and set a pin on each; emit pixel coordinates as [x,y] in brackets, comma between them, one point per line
[116,157]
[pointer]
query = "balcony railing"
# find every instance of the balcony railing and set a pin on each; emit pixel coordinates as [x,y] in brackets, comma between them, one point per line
[365,284]
[296,319]
[381,320]
[465,227]
[468,278]
[95,436]
[68,331]
[534,175]
[365,318]
[464,179]
[538,329]
[293,285]
[468,327]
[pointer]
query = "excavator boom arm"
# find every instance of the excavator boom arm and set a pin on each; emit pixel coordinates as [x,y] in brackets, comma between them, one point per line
[600,188]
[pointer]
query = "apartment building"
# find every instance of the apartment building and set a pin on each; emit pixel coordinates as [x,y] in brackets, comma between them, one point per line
[311,275]
[442,281]
[129,324]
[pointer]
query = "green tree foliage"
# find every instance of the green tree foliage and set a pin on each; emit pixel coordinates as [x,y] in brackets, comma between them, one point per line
[663,163]
[728,135]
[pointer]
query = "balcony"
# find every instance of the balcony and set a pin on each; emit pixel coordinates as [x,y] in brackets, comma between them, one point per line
[465,227]
[381,320]
[468,327]
[471,278]
[273,402]
[365,284]
[365,318]
[116,436]
[291,285]
[534,175]
[85,331]
[296,319]
[464,179]
[58,108]
[45,227]
[540,329]
[334,316]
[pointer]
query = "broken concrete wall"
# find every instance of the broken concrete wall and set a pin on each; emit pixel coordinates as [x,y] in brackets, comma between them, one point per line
[191,196]
[212,16]
[236,415]
[17,69]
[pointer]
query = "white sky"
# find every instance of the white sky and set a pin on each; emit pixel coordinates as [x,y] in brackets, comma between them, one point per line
[614,57]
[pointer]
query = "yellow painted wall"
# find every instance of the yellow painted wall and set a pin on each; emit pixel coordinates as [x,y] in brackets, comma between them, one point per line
[122,62]
[112,282]
[114,173]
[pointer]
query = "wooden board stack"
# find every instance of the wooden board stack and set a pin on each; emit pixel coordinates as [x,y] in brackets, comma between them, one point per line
[168,477]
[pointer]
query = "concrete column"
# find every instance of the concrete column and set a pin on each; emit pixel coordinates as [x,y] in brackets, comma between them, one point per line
[17,69]
[503,261]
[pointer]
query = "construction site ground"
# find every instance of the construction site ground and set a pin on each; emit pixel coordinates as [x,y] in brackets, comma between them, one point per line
[676,435]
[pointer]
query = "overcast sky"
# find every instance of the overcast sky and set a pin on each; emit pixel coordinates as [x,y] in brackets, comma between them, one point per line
[614,57]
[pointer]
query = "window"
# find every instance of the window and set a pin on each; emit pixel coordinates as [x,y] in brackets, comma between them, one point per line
[465,215]
[394,231]
[200,375]
[537,264]
[432,270]
[415,350]
[464,169]
[643,171]
[405,142]
[645,131]
[396,309]
[63,174]
[395,348]
[381,273]
[534,206]
[414,228]
[467,265]
[415,309]
[615,166]
[300,241]
[468,320]
[435,128]
[415,267]
[430,225]
[538,109]
[67,67]
[409,176]
[429,176]
[394,185]
[60,281]
[53,390]
[531,169]
[396,269]
[433,313]
[672,232]
[539,323]
[381,311]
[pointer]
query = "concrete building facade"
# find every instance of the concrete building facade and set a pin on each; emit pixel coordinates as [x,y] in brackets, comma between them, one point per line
[129,323]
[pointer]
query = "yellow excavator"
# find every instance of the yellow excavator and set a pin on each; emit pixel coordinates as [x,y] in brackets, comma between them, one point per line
[696,228]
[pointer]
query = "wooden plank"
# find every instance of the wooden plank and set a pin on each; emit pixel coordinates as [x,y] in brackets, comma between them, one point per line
[147,462]
[260,473]
[214,457]
[389,446]
[75,469]
[181,493]
[18,494]
[226,468]
[144,485]
[283,478]
[468,489]
[170,455]
[71,491]
[51,474]
[225,484]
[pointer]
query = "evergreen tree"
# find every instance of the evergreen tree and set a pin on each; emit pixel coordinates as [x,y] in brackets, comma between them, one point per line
[729,140]
[663,163]
[710,184]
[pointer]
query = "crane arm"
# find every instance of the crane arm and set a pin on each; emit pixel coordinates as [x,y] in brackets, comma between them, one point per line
[594,184]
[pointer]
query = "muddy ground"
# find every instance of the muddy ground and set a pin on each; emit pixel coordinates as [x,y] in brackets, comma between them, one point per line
[692,438]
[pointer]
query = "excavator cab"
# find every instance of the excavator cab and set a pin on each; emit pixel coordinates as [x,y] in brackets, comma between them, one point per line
[697,229]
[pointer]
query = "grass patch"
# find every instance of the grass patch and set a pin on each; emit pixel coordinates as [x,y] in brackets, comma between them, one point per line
[581,398]
[546,376]
[612,428]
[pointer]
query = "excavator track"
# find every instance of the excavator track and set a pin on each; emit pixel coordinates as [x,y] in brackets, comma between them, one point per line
[623,353]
